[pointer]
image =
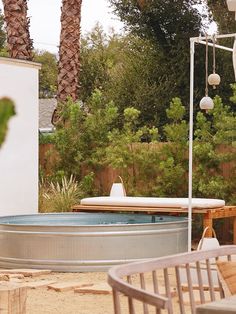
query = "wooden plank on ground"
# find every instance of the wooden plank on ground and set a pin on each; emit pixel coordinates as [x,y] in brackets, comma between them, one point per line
[18,276]
[69,285]
[101,288]
[26,272]
[38,284]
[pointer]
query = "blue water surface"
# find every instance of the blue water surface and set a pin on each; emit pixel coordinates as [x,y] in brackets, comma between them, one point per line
[84,219]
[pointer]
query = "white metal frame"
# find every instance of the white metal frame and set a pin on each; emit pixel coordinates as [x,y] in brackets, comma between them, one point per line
[232,6]
[198,40]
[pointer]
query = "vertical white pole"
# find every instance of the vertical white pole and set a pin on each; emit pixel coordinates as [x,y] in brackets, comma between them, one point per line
[190,172]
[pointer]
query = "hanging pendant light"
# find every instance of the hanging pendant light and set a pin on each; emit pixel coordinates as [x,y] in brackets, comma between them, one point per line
[214,78]
[206,102]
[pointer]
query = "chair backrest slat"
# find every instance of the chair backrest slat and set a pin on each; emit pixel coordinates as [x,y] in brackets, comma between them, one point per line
[155,287]
[168,290]
[155,282]
[211,285]
[116,301]
[200,282]
[190,285]
[142,283]
[130,300]
[179,290]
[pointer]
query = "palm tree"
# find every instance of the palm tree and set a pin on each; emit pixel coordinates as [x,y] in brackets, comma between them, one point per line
[17,26]
[141,3]
[69,51]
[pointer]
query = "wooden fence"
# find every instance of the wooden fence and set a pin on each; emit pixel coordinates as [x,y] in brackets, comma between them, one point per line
[106,176]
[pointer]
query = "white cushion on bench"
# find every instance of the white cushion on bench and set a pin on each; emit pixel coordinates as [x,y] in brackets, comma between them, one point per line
[152,202]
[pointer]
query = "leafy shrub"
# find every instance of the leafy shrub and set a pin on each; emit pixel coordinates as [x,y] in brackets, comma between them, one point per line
[81,140]
[46,138]
[6,112]
[137,162]
[212,131]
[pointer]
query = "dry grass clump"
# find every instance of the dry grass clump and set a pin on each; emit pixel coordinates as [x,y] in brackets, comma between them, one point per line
[59,196]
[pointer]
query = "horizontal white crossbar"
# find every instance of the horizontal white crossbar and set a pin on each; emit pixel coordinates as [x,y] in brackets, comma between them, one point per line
[196,39]
[217,46]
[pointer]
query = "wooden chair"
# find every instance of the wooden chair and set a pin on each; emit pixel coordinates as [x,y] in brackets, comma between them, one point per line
[154,286]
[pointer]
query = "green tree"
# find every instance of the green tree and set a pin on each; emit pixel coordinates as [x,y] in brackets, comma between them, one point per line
[137,81]
[82,141]
[168,25]
[165,22]
[4,52]
[220,14]
[214,131]
[47,74]
[225,21]
[2,31]
[233,97]
[124,68]
[127,69]
[136,161]
[100,53]
[172,178]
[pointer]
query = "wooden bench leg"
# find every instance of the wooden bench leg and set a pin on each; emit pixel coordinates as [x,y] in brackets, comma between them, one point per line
[208,222]
[234,230]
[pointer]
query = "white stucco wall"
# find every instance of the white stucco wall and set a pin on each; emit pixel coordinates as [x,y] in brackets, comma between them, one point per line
[19,153]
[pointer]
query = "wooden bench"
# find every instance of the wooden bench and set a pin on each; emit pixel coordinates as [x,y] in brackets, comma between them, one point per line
[224,306]
[142,283]
[209,214]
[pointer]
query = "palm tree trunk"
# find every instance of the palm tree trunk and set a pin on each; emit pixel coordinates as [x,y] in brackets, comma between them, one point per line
[69,51]
[17,26]
[141,4]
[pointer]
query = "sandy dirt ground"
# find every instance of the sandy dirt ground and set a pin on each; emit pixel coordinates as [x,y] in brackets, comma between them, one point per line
[45,301]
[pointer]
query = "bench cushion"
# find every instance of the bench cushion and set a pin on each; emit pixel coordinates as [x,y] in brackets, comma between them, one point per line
[227,276]
[153,202]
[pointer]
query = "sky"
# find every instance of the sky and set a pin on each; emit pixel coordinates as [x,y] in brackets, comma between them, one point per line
[45,20]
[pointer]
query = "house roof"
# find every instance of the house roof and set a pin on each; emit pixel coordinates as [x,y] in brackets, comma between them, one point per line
[46,108]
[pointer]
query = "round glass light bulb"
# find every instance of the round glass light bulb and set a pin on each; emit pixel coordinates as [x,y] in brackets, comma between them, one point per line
[206,103]
[214,79]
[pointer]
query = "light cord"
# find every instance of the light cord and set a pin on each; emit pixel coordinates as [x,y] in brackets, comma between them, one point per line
[206,64]
[214,54]
[214,57]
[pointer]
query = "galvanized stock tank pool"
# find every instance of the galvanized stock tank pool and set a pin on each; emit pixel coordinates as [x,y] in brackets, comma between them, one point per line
[87,241]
